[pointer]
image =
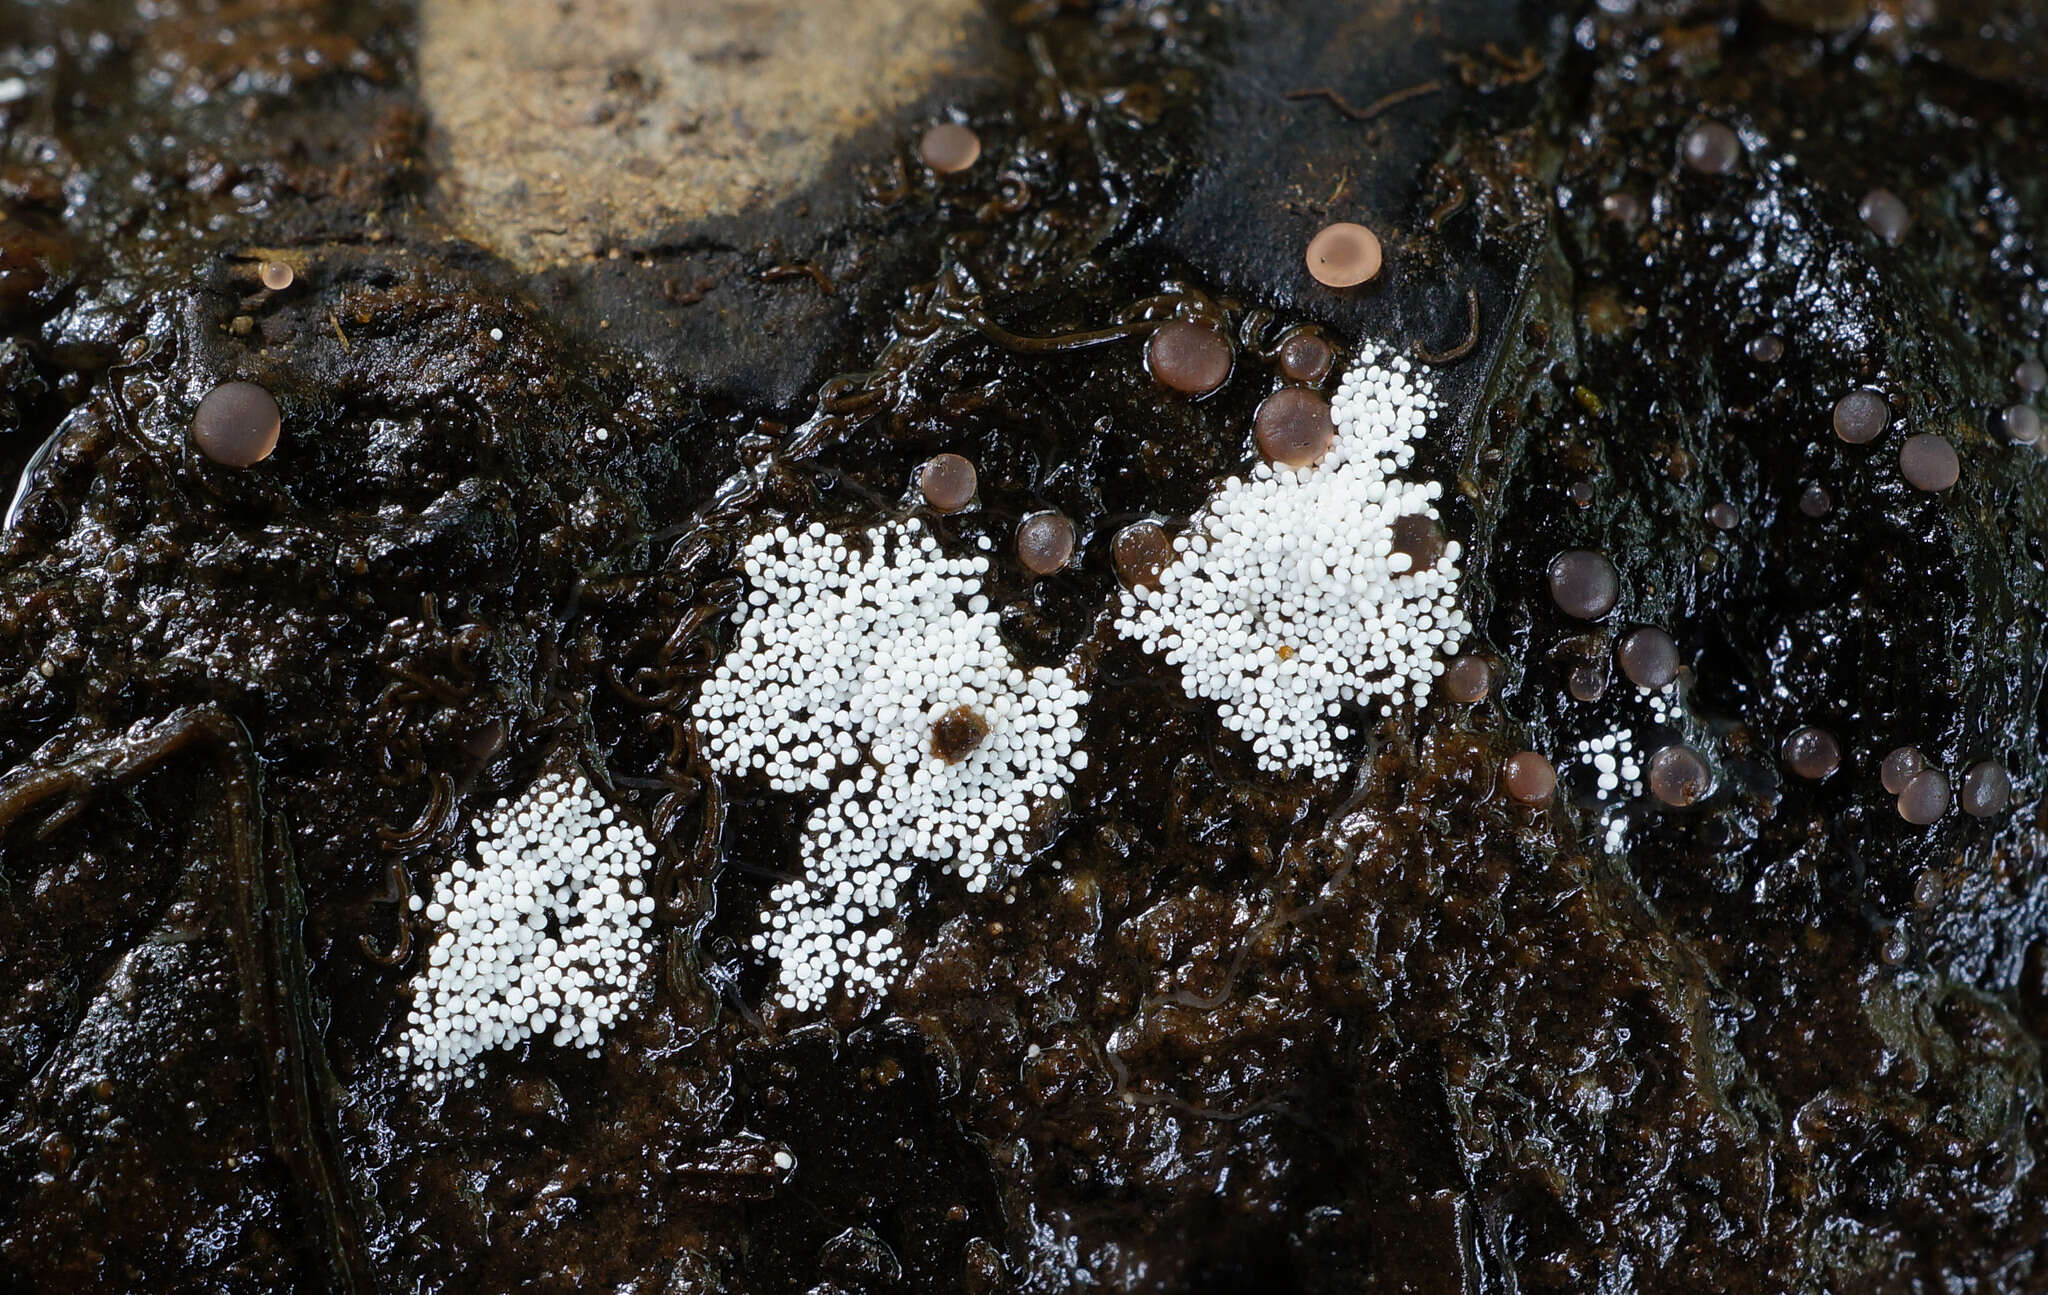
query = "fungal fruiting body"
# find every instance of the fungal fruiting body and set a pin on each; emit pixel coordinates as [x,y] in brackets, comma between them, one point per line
[544,933]
[874,672]
[1344,255]
[1190,358]
[1288,596]
[1616,765]
[237,424]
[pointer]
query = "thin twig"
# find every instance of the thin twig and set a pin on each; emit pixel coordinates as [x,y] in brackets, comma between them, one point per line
[798,270]
[1373,109]
[1462,349]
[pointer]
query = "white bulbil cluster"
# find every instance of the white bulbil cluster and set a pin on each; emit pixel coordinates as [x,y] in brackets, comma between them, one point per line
[545,932]
[1289,598]
[874,671]
[1616,766]
[1615,833]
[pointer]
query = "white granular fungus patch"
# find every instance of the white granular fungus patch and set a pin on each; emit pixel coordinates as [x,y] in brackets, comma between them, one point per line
[1616,833]
[848,657]
[546,931]
[1617,766]
[1288,599]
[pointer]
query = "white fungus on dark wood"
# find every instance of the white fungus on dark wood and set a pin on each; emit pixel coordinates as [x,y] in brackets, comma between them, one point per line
[1617,765]
[859,672]
[543,934]
[1288,596]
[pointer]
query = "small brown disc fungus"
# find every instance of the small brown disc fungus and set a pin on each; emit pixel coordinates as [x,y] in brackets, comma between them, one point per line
[1711,148]
[1344,255]
[957,733]
[1293,427]
[1928,462]
[1193,359]
[1468,678]
[1584,584]
[1678,776]
[1815,501]
[1307,358]
[1899,767]
[1141,551]
[1766,349]
[949,148]
[2020,423]
[237,424]
[1421,537]
[1723,516]
[948,482]
[1587,683]
[1045,542]
[1624,208]
[1812,753]
[1529,778]
[1987,789]
[1861,417]
[1649,657]
[1885,215]
[1924,798]
[2032,376]
[275,275]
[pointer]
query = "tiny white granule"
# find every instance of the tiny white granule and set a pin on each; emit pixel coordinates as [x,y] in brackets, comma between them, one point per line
[545,933]
[853,664]
[1288,598]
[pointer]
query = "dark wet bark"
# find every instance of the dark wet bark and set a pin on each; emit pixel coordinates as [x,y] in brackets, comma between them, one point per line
[1253,1033]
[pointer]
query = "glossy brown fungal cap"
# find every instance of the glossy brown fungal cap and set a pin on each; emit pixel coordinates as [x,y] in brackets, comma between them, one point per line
[1306,358]
[1711,148]
[1885,215]
[1928,462]
[1045,542]
[1529,778]
[1987,789]
[2021,424]
[1812,753]
[1421,537]
[1649,657]
[948,482]
[1193,359]
[275,275]
[1344,255]
[1899,767]
[1141,551]
[237,424]
[1293,427]
[957,733]
[1587,683]
[1467,678]
[1861,417]
[1767,349]
[1623,207]
[1678,776]
[1815,501]
[949,148]
[1584,584]
[1924,798]
[1723,516]
[2031,375]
